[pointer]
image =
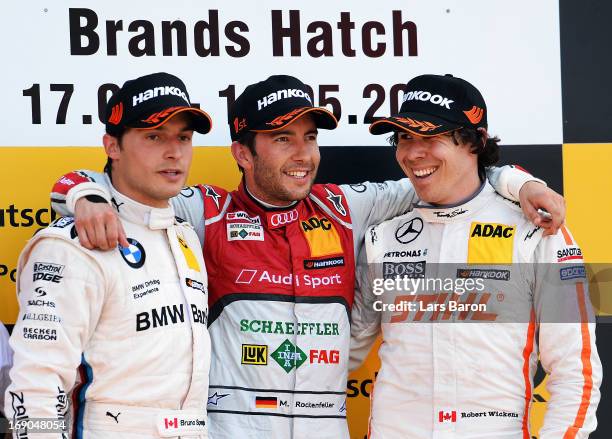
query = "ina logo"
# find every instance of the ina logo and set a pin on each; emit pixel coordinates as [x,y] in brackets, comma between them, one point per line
[289,356]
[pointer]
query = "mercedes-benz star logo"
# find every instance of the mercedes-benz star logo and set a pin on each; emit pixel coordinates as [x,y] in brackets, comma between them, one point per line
[409,231]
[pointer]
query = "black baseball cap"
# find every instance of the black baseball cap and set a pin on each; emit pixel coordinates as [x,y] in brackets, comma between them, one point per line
[150,101]
[272,104]
[435,104]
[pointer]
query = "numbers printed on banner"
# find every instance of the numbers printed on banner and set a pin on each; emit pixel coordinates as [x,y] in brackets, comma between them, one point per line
[328,96]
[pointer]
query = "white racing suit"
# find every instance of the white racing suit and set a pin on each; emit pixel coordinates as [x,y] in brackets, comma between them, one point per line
[443,376]
[261,399]
[130,322]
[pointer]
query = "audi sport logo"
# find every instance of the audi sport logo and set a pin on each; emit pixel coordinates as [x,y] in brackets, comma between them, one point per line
[282,218]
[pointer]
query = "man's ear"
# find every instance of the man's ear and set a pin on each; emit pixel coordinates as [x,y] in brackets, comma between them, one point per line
[111,146]
[243,156]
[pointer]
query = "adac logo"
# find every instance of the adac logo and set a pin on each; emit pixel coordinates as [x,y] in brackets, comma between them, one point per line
[134,255]
[254,354]
[490,243]
[492,230]
[289,356]
[321,236]
[190,258]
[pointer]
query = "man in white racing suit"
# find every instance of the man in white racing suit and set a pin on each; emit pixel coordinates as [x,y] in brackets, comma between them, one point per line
[467,292]
[130,325]
[280,347]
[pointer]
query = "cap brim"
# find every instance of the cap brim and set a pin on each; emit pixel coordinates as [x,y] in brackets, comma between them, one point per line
[415,123]
[201,122]
[322,117]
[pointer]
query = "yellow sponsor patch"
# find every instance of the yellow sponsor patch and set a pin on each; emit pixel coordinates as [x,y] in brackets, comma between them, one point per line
[322,237]
[190,258]
[254,354]
[490,243]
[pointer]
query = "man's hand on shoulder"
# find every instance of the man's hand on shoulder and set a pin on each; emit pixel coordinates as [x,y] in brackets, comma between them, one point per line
[98,226]
[534,196]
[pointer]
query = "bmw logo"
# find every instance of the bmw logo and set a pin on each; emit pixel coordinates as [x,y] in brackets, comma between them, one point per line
[134,255]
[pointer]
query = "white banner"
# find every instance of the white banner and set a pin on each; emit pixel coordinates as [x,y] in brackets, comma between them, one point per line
[61,60]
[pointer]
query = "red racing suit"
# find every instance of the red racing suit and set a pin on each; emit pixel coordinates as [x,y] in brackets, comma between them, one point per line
[280,292]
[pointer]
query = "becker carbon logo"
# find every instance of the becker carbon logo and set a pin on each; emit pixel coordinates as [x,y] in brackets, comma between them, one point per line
[134,255]
[409,231]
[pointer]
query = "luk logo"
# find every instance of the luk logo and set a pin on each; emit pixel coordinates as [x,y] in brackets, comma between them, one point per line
[254,354]
[282,218]
[134,255]
[427,96]
[289,356]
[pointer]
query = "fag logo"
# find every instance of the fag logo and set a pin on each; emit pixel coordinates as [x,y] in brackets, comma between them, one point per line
[474,114]
[324,356]
[254,354]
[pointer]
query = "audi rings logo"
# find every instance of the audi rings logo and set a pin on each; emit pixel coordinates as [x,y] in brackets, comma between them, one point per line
[409,231]
[282,218]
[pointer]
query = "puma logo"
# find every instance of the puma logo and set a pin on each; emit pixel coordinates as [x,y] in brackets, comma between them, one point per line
[113,416]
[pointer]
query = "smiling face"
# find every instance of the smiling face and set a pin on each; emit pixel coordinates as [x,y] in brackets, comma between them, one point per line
[151,166]
[285,163]
[440,171]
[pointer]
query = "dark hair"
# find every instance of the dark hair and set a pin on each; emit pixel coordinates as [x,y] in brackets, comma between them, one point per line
[488,152]
[248,140]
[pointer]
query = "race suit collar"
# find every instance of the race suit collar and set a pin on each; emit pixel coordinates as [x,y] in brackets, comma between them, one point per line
[465,208]
[152,217]
[275,216]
